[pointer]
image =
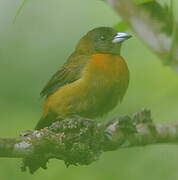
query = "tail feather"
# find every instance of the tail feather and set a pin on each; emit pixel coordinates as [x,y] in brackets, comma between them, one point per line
[46,121]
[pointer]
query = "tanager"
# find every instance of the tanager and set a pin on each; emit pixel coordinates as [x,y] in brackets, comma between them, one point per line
[92,82]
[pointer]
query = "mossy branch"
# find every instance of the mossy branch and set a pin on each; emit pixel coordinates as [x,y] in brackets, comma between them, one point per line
[79,141]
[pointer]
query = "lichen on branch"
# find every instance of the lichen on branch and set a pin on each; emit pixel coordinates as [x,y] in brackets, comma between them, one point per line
[80,141]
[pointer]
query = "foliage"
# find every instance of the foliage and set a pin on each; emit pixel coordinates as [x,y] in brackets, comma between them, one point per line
[142,1]
[121,26]
[19,10]
[159,11]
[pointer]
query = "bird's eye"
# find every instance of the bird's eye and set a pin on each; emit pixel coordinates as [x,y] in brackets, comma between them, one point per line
[102,37]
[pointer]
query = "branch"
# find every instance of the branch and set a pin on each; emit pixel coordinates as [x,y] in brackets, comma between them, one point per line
[155,25]
[80,141]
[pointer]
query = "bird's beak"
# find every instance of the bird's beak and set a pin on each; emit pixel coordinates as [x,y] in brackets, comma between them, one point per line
[120,37]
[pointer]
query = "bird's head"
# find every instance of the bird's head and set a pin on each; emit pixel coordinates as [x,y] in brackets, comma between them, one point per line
[102,40]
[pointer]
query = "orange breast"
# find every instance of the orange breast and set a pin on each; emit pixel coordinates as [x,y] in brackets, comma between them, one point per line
[103,83]
[111,65]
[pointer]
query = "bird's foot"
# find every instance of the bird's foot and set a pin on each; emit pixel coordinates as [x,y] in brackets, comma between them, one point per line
[126,125]
[143,119]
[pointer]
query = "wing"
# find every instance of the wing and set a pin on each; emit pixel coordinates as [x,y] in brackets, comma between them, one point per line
[69,73]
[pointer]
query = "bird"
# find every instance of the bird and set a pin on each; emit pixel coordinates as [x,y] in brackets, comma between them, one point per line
[92,81]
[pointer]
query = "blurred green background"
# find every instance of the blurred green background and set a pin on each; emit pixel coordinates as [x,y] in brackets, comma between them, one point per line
[33,48]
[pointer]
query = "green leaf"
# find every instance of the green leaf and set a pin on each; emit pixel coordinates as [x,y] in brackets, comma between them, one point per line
[19,10]
[163,13]
[142,1]
[121,26]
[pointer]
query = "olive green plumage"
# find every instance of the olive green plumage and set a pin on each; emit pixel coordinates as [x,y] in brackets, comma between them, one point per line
[92,81]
